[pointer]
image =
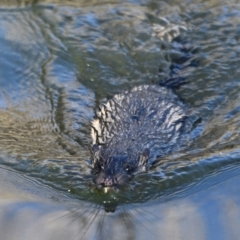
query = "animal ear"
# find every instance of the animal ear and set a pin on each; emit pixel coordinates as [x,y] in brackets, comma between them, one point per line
[95,148]
[144,157]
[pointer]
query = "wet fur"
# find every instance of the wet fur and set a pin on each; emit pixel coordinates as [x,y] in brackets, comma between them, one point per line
[134,128]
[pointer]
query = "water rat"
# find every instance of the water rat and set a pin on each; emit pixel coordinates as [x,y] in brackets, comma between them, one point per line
[134,128]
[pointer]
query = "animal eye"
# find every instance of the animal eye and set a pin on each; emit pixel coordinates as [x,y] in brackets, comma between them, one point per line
[98,167]
[128,169]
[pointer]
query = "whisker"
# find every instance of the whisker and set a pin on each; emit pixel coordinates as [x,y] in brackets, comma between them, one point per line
[76,218]
[121,215]
[145,217]
[69,213]
[142,209]
[84,222]
[100,225]
[139,223]
[91,220]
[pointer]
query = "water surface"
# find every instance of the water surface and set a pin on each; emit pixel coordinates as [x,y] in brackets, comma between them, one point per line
[60,60]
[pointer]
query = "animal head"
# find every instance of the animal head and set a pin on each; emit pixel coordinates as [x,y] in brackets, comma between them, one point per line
[116,169]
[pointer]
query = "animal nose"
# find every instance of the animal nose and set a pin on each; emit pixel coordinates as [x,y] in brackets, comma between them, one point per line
[108,182]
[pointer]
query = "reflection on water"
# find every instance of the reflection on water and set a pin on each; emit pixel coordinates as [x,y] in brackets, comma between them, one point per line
[47,214]
[60,61]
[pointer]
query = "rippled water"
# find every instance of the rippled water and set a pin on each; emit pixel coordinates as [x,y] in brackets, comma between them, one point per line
[60,60]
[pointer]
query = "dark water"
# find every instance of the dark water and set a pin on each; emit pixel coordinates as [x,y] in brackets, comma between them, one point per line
[59,61]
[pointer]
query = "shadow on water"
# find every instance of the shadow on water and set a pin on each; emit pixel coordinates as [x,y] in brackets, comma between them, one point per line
[59,62]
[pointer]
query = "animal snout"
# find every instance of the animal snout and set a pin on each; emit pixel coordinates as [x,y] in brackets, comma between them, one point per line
[104,181]
[114,180]
[108,182]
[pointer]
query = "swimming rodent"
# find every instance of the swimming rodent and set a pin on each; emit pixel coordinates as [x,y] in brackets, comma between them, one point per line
[136,127]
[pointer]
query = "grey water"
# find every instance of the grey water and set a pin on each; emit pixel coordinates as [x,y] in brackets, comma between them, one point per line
[59,60]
